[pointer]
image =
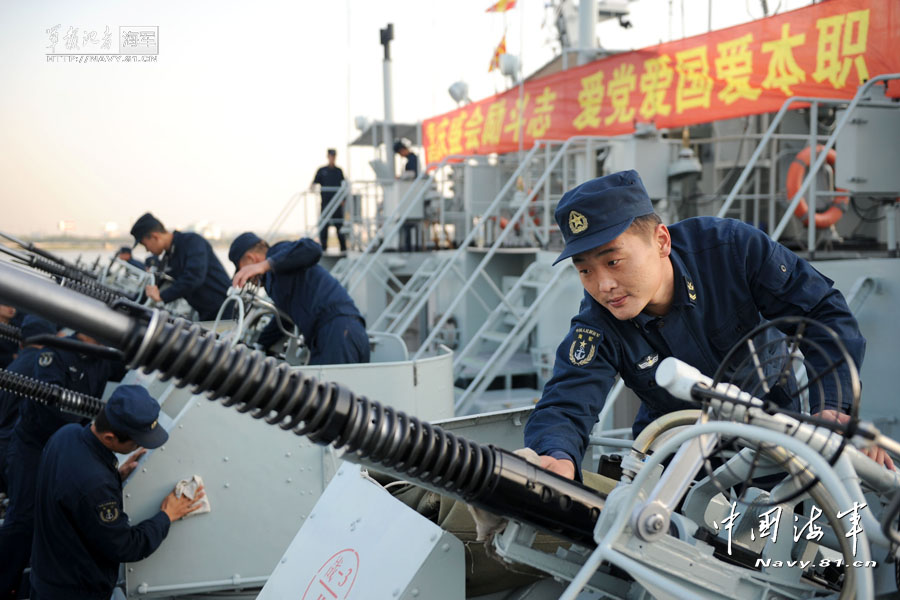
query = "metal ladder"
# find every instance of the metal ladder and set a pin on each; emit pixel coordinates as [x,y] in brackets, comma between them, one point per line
[294,200]
[396,311]
[554,151]
[506,329]
[361,266]
[817,157]
[330,208]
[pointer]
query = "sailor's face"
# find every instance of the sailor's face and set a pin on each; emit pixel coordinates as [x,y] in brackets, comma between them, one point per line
[626,275]
[153,243]
[7,312]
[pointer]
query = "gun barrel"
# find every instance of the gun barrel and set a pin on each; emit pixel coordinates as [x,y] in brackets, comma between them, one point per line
[328,413]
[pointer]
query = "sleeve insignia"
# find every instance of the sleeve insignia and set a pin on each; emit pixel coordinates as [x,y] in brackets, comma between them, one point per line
[108,511]
[584,346]
[45,359]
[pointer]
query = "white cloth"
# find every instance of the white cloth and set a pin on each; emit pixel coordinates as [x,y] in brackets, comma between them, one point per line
[189,487]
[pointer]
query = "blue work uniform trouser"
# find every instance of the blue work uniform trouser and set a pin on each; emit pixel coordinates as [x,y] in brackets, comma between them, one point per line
[17,531]
[340,340]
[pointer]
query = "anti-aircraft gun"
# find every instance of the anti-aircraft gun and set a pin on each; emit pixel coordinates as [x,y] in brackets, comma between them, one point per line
[118,281]
[649,535]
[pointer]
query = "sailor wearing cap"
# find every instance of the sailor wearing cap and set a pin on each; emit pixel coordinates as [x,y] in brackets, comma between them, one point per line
[81,530]
[124,253]
[317,303]
[411,168]
[199,276]
[330,177]
[36,423]
[24,364]
[690,291]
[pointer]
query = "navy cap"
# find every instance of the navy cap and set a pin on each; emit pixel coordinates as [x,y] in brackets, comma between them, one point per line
[240,245]
[600,210]
[332,152]
[144,225]
[33,325]
[132,411]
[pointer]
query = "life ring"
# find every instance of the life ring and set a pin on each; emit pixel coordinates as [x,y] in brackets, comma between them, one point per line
[795,175]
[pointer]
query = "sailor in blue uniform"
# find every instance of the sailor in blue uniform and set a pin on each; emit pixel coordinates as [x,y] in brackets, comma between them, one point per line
[411,168]
[124,253]
[199,276]
[73,370]
[8,348]
[331,176]
[24,364]
[326,315]
[81,532]
[690,291]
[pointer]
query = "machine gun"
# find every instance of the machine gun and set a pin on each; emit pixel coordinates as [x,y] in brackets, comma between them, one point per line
[70,277]
[10,332]
[71,269]
[327,413]
[653,543]
[50,394]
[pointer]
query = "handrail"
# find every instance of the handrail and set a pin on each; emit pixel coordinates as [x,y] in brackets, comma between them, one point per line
[461,248]
[422,183]
[497,243]
[498,358]
[328,211]
[821,155]
[282,215]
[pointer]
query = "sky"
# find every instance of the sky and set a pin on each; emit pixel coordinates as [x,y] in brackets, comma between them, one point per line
[236,113]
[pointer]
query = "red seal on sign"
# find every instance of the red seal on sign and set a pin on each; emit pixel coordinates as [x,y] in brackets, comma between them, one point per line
[335,578]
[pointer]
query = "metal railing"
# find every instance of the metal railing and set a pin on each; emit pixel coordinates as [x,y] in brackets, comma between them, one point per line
[817,157]
[524,321]
[553,159]
[393,223]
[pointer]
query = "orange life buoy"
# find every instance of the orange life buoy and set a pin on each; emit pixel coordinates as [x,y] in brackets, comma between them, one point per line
[795,175]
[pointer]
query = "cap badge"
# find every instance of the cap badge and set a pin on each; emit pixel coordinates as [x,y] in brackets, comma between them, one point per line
[583,347]
[577,222]
[153,425]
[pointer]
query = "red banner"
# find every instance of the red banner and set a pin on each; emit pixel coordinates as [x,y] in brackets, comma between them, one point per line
[823,50]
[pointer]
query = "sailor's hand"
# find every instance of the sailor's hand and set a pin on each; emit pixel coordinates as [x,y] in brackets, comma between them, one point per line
[249,272]
[131,464]
[874,452]
[560,466]
[152,292]
[176,508]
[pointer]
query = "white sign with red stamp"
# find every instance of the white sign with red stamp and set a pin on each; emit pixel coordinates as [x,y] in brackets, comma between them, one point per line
[335,578]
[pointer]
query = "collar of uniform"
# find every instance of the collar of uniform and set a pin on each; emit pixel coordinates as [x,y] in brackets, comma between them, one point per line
[682,294]
[97,447]
[176,237]
[685,286]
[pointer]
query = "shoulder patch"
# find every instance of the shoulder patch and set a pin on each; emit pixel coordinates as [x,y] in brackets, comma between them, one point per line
[584,346]
[45,359]
[108,511]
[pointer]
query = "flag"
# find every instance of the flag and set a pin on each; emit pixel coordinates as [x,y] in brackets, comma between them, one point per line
[502,6]
[501,49]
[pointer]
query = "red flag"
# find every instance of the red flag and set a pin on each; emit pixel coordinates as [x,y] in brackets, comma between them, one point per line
[501,49]
[502,6]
